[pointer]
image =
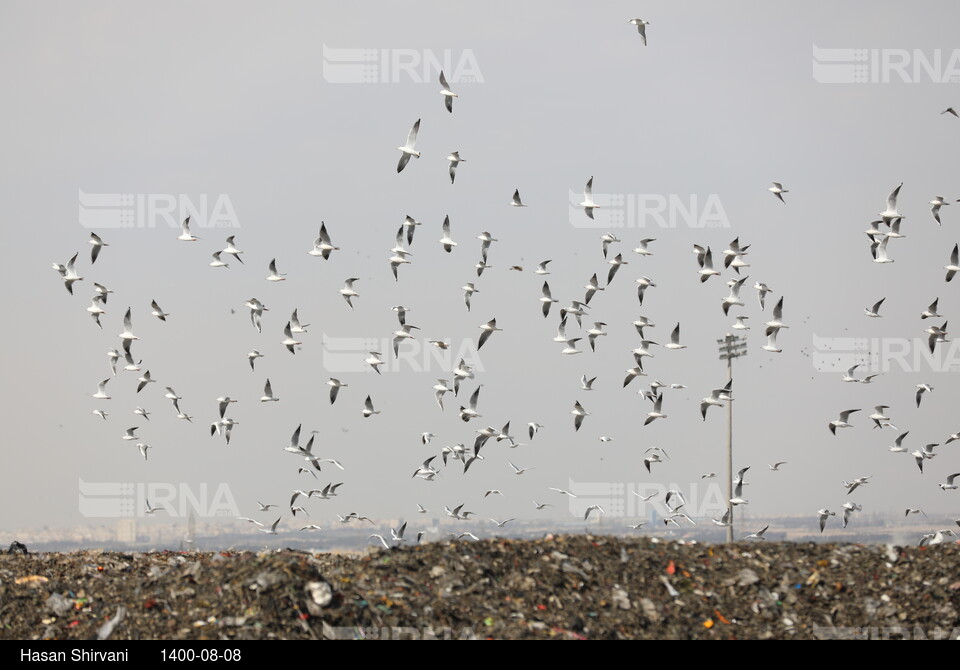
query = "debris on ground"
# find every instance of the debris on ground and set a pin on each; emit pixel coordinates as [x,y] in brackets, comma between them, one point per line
[17,548]
[560,587]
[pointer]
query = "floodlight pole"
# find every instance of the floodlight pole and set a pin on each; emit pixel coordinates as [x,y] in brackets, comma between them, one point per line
[731,347]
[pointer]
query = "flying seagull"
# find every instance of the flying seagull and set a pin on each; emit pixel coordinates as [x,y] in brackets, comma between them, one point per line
[488,329]
[232,249]
[447,94]
[842,422]
[588,204]
[322,246]
[579,413]
[448,244]
[641,28]
[268,393]
[335,386]
[216,262]
[347,291]
[288,341]
[937,203]
[368,409]
[874,311]
[185,235]
[157,312]
[97,244]
[455,160]
[954,266]
[95,309]
[929,313]
[778,190]
[274,275]
[409,149]
[891,212]
[515,201]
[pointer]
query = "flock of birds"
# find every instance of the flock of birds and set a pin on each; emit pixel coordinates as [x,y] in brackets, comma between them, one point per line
[734,259]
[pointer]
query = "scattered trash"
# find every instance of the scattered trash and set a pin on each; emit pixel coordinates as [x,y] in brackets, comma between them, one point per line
[107,629]
[18,548]
[566,587]
[319,595]
[620,598]
[672,591]
[31,580]
[58,604]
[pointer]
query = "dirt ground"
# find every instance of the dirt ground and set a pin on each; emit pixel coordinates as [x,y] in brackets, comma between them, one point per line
[565,587]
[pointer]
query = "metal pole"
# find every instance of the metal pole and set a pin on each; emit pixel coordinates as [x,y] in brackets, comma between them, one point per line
[731,347]
[730,453]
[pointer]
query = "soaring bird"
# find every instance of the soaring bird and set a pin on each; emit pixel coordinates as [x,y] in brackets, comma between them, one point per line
[641,28]
[778,190]
[409,149]
[588,204]
[447,94]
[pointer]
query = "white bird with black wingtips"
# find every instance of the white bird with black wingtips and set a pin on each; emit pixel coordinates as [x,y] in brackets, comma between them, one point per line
[410,147]
[950,486]
[938,202]
[232,249]
[455,160]
[368,409]
[823,515]
[274,275]
[874,312]
[843,421]
[289,342]
[216,262]
[588,204]
[185,235]
[446,241]
[954,267]
[322,246]
[347,291]
[642,249]
[97,244]
[778,190]
[470,412]
[641,28]
[101,393]
[268,393]
[447,94]
[335,386]
[595,332]
[891,212]
[675,340]
[579,413]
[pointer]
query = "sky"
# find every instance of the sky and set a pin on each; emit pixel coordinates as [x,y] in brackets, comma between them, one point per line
[264,121]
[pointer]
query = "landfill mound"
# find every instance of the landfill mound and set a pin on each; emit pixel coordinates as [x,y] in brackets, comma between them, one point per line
[564,587]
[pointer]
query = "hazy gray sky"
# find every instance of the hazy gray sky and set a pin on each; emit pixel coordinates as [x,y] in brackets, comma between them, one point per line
[231,100]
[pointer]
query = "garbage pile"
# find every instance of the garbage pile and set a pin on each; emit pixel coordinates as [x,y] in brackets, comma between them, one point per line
[564,587]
